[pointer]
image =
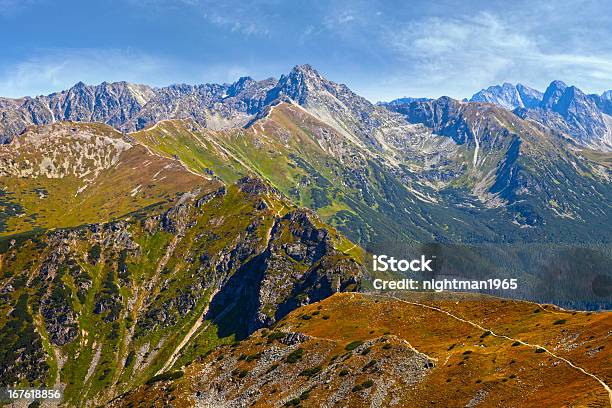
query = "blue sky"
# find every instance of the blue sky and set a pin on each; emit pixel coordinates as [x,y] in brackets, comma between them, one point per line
[380,49]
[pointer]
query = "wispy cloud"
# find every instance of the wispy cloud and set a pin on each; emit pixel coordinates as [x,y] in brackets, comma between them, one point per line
[459,53]
[251,18]
[9,8]
[335,19]
[381,49]
[51,70]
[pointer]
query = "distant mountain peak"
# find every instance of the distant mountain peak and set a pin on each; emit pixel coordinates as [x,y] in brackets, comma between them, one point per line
[403,101]
[509,96]
[553,93]
[557,84]
[305,68]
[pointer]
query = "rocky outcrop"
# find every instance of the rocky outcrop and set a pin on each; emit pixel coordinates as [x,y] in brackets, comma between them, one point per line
[298,266]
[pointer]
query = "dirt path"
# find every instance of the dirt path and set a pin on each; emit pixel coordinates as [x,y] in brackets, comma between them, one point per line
[535,346]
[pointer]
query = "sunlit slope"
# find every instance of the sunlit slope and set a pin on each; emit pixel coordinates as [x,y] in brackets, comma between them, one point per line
[99,309]
[361,350]
[315,166]
[69,174]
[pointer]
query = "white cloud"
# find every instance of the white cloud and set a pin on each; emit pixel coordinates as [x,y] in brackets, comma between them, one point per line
[248,26]
[458,56]
[345,18]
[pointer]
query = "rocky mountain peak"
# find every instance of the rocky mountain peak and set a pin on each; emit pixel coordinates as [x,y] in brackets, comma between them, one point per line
[240,85]
[80,85]
[553,93]
[564,108]
[509,96]
[603,101]
[298,84]
[305,69]
[529,96]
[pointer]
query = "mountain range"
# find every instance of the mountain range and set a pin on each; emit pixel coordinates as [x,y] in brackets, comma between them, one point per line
[586,118]
[129,107]
[210,245]
[393,177]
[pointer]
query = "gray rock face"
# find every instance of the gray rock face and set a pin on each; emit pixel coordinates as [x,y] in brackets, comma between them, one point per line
[403,101]
[129,107]
[603,101]
[335,104]
[262,294]
[552,95]
[561,107]
[111,103]
[509,96]
[567,109]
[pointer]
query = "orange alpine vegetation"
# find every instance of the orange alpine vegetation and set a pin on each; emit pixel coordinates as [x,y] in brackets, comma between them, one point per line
[366,350]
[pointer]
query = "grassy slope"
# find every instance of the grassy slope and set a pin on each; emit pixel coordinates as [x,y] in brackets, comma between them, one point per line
[138,179]
[111,355]
[412,354]
[373,207]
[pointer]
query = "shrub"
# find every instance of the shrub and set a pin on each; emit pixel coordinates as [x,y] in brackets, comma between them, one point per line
[295,356]
[560,321]
[311,372]
[294,402]
[540,350]
[305,395]
[364,385]
[253,357]
[275,336]
[167,376]
[370,364]
[240,373]
[353,345]
[343,372]
[94,254]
